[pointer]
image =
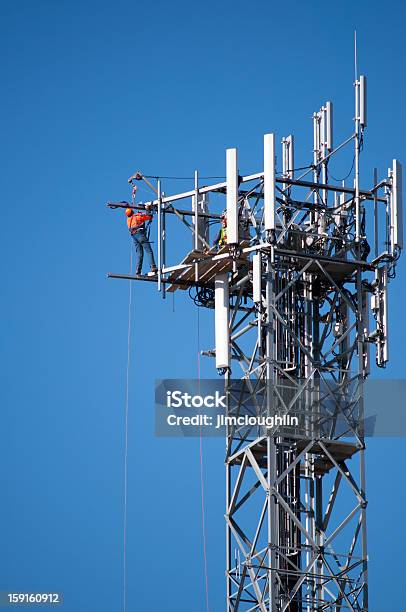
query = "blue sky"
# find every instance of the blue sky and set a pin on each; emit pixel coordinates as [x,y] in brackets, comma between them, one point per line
[93,91]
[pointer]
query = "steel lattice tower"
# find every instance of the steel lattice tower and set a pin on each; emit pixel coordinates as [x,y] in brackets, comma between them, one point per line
[292,292]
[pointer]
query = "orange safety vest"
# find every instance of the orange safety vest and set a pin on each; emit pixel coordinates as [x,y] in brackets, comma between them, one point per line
[135,222]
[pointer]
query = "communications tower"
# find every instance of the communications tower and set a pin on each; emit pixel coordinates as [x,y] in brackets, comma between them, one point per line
[300,295]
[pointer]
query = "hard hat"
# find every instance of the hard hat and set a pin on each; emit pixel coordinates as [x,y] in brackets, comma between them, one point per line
[128,212]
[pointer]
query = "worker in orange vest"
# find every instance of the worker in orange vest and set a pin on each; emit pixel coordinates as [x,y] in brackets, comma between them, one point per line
[136,223]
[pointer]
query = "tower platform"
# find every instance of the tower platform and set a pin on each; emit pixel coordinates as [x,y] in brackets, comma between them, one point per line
[339,451]
[211,263]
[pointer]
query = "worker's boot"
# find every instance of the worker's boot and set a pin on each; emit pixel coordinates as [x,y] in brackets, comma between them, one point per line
[138,272]
[154,269]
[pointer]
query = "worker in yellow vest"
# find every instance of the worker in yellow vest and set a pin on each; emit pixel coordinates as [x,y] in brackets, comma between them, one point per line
[221,238]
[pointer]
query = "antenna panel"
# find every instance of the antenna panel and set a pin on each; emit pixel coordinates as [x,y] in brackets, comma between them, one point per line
[269,182]
[232,196]
[221,312]
[363,101]
[397,206]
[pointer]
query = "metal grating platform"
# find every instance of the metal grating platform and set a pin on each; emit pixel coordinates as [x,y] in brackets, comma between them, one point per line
[338,269]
